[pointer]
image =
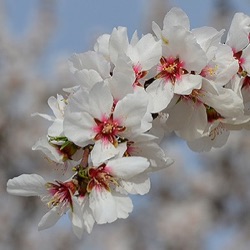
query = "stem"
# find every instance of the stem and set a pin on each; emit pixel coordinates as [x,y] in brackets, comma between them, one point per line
[84,162]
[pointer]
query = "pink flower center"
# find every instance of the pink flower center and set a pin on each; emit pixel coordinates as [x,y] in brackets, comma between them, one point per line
[194,96]
[139,74]
[241,60]
[171,69]
[61,193]
[100,178]
[108,129]
[209,71]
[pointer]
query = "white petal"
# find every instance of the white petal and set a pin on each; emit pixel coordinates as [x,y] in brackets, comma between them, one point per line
[127,167]
[49,219]
[50,151]
[224,101]
[79,101]
[124,205]
[237,37]
[161,93]
[102,152]
[122,147]
[76,218]
[57,105]
[88,219]
[45,116]
[208,38]
[90,60]
[102,45]
[78,127]
[130,111]
[188,118]
[100,101]
[154,153]
[176,17]
[196,121]
[147,52]
[118,43]
[206,143]
[245,56]
[187,83]
[134,40]
[27,185]
[87,78]
[183,45]
[103,205]
[121,83]
[156,29]
[56,129]
[139,184]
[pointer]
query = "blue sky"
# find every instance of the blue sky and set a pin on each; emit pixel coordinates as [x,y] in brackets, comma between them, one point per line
[80,20]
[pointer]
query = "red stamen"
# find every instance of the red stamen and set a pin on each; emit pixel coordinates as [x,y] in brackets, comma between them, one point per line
[170,69]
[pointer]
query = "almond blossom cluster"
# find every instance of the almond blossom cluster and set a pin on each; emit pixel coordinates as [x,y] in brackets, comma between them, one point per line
[105,131]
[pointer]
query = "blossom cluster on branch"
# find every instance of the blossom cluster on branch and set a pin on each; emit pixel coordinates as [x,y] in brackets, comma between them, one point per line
[128,95]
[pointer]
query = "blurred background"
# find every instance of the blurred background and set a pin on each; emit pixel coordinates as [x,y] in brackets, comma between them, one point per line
[201,202]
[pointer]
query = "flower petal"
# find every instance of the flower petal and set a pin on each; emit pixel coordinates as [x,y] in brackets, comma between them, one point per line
[127,167]
[147,52]
[27,185]
[76,218]
[124,205]
[161,94]
[187,84]
[103,205]
[102,152]
[118,43]
[88,218]
[131,110]
[78,127]
[100,101]
[49,219]
[51,152]
[90,60]
[137,185]
[176,17]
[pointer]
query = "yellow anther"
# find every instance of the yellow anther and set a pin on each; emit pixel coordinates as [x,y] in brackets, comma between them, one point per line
[212,70]
[107,129]
[171,68]
[165,40]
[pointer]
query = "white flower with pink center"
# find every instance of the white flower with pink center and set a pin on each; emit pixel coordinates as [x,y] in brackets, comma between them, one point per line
[182,61]
[64,153]
[143,54]
[94,193]
[55,145]
[145,51]
[59,196]
[217,131]
[106,122]
[192,114]
[177,80]
[221,64]
[108,186]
